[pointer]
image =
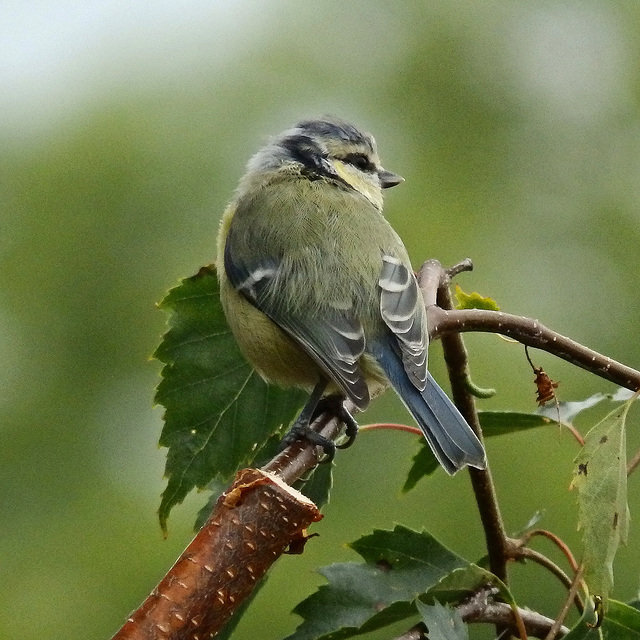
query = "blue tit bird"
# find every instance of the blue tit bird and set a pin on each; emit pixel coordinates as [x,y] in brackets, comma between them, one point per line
[318,288]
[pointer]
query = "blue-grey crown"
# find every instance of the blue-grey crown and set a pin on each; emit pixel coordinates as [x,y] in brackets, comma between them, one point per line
[334,128]
[306,143]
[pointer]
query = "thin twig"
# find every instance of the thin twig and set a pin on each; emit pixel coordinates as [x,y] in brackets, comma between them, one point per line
[536,625]
[498,613]
[434,283]
[300,457]
[573,592]
[530,332]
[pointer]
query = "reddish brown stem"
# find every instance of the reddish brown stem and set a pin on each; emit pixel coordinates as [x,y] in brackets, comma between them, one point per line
[560,618]
[556,540]
[574,432]
[391,425]
[633,463]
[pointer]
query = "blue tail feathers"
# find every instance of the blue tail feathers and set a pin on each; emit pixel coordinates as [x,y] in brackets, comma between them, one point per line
[440,420]
[451,439]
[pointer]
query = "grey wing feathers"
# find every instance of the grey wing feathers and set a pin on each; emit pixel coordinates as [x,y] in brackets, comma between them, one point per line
[402,310]
[332,337]
[336,342]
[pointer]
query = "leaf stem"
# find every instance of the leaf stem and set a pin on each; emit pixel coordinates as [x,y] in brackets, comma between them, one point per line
[391,425]
[561,544]
[525,553]
[633,463]
[573,431]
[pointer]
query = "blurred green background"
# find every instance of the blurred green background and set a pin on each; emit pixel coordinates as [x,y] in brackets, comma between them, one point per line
[124,127]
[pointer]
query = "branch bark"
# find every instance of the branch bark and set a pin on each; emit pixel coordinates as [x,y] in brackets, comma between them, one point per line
[252,524]
[445,322]
[498,613]
[257,520]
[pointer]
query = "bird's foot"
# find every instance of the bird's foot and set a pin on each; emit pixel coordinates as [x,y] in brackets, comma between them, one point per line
[302,431]
[334,405]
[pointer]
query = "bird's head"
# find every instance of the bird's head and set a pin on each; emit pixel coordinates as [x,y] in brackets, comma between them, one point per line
[330,149]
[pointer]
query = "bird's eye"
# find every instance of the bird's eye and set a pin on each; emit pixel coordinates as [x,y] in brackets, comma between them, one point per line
[359,161]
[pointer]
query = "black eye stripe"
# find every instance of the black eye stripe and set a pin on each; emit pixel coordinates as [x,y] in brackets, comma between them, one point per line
[360,161]
[304,149]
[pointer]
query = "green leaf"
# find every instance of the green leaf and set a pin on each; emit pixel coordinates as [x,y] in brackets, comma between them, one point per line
[474,301]
[621,622]
[442,623]
[400,566]
[413,556]
[219,412]
[600,475]
[493,423]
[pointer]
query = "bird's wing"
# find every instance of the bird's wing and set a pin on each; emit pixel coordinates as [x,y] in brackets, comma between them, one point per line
[402,309]
[333,337]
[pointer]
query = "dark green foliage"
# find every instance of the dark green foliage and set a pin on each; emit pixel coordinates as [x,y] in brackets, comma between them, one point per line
[218,412]
[399,567]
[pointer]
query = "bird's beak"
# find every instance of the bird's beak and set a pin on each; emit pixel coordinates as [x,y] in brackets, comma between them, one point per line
[389,179]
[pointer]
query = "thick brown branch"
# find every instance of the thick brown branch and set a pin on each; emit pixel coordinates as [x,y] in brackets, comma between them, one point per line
[444,322]
[295,461]
[252,525]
